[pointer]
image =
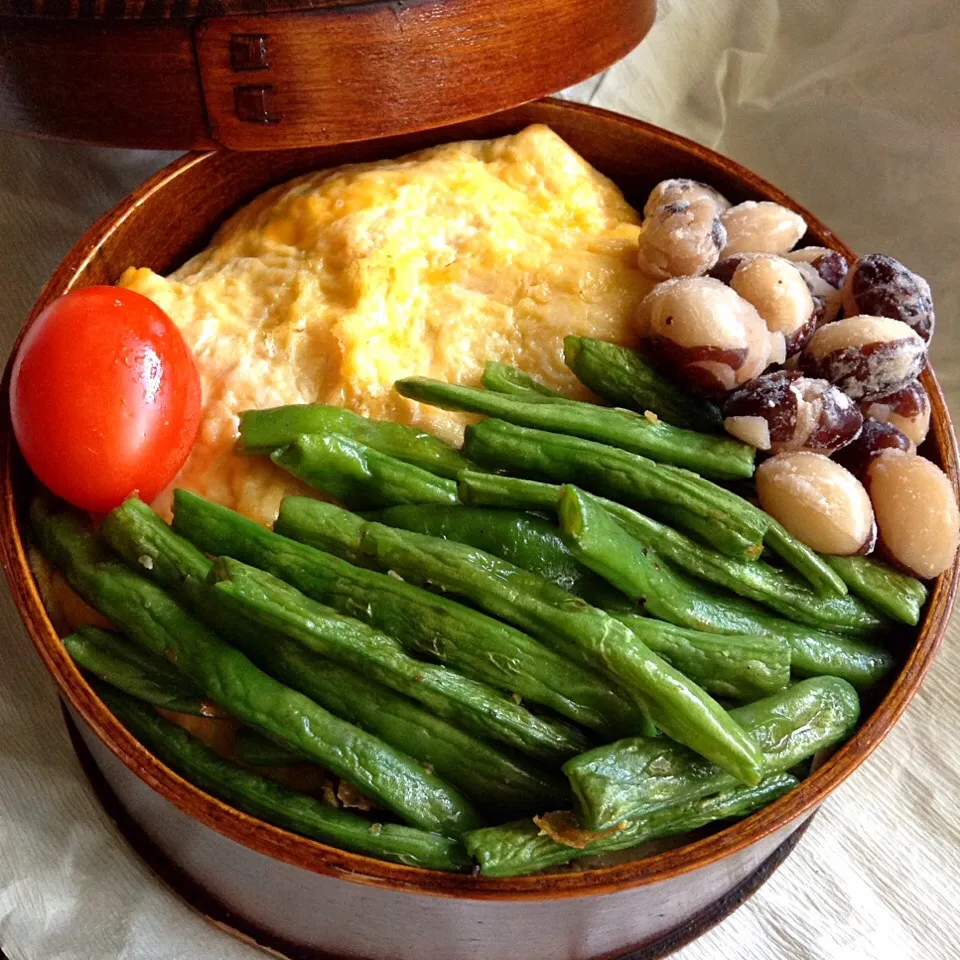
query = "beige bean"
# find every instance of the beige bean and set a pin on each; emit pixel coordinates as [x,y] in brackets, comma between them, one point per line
[670,191]
[780,294]
[883,287]
[866,357]
[705,334]
[916,510]
[875,437]
[798,413]
[908,409]
[818,501]
[831,267]
[827,300]
[761,227]
[681,239]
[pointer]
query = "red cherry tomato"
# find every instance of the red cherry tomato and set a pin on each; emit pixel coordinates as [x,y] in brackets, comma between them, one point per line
[104,397]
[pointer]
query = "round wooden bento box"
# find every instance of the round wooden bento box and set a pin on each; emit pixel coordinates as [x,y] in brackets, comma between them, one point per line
[309,900]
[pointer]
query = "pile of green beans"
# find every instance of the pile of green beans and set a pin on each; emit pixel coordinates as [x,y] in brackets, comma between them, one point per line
[571,613]
[299,812]
[156,621]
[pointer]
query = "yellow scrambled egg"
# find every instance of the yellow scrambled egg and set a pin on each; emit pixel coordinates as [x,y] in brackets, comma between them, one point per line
[331,287]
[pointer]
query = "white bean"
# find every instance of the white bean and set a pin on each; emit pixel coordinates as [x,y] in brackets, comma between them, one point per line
[908,409]
[681,239]
[916,512]
[818,501]
[761,227]
[705,334]
[669,191]
[866,357]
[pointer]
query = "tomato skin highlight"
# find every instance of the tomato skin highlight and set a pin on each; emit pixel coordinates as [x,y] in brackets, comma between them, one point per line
[104,397]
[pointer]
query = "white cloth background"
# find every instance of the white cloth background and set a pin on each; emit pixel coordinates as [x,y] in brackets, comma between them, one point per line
[853,107]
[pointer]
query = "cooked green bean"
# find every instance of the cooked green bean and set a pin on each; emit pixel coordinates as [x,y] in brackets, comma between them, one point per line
[896,594]
[469,704]
[462,638]
[275,804]
[137,672]
[259,614]
[719,457]
[477,489]
[623,377]
[777,589]
[780,590]
[323,526]
[530,542]
[486,775]
[682,498]
[505,379]
[522,847]
[602,544]
[256,750]
[813,568]
[263,431]
[631,778]
[360,476]
[153,619]
[738,667]
[486,489]
[678,707]
[141,536]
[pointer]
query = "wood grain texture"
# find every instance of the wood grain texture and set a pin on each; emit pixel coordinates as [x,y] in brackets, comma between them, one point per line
[329,72]
[123,84]
[172,215]
[144,10]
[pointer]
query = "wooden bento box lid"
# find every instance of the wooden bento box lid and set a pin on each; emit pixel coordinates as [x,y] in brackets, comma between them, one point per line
[277,74]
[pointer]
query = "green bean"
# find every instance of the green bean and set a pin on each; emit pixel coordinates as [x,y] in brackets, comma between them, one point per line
[738,667]
[530,542]
[602,544]
[449,632]
[140,535]
[777,589]
[485,489]
[137,672]
[813,568]
[719,457]
[680,497]
[330,528]
[899,596]
[259,614]
[486,775]
[780,590]
[505,379]
[263,431]
[522,847]
[256,750]
[742,668]
[477,489]
[153,619]
[631,778]
[360,476]
[275,804]
[623,377]
[678,707]
[325,527]
[469,704]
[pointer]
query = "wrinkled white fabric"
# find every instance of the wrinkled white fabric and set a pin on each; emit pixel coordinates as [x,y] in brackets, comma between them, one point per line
[853,107]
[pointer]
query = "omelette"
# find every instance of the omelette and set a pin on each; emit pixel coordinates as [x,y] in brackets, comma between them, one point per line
[332,286]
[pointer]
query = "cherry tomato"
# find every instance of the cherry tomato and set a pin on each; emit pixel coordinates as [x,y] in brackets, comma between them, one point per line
[104,397]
